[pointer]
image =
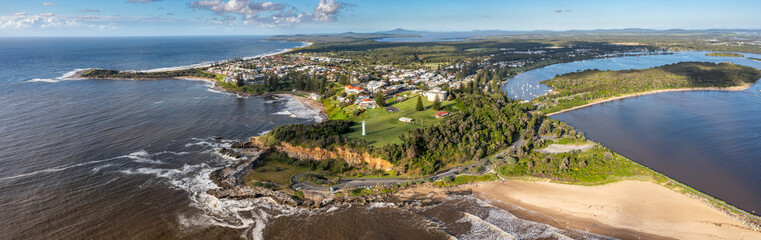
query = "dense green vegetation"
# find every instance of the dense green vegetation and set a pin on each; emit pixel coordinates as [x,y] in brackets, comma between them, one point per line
[724,54]
[595,165]
[485,124]
[579,88]
[114,74]
[324,134]
[438,54]
[464,179]
[290,81]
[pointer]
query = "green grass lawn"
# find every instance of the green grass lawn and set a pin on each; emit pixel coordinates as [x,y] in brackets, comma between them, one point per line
[383,127]
[275,172]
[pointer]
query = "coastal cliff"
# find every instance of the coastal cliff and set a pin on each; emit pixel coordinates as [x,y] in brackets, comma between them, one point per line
[352,157]
[318,154]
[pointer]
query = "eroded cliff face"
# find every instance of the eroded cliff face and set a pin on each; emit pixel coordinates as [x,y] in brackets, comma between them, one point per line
[351,157]
[318,154]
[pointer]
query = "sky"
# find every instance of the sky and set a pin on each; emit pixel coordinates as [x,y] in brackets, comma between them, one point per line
[252,17]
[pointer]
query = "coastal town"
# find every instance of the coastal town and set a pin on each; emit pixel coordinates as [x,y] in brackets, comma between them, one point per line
[361,84]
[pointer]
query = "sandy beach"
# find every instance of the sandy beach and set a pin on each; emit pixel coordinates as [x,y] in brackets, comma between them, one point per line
[625,209]
[736,88]
[312,104]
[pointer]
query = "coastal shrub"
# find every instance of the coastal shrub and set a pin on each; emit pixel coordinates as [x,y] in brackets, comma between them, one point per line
[360,192]
[323,134]
[298,195]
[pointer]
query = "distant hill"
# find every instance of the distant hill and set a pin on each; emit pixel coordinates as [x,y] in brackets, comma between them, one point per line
[454,35]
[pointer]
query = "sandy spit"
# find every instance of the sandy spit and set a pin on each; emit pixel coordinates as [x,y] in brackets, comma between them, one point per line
[618,209]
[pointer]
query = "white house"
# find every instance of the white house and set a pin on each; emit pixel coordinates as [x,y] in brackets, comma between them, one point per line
[366,103]
[374,86]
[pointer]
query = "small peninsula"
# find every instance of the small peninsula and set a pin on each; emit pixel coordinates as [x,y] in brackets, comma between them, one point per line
[591,86]
[724,54]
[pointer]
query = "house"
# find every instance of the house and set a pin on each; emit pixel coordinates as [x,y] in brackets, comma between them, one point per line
[442,114]
[353,90]
[431,95]
[405,119]
[366,103]
[375,86]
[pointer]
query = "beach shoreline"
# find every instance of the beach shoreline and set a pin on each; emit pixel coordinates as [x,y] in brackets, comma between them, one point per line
[313,105]
[729,89]
[626,209]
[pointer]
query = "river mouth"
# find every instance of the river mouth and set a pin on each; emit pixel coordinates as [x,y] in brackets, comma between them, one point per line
[708,140]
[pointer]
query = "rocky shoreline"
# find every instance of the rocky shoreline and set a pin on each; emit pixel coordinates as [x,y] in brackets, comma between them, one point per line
[231,185]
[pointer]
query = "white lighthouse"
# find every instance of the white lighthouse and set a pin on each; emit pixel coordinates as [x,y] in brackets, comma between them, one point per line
[363,128]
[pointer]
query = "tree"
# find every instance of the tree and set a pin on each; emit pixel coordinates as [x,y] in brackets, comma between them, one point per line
[239,80]
[380,99]
[344,80]
[437,103]
[419,106]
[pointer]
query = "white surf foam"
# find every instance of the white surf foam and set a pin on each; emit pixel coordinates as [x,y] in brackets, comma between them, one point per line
[66,76]
[499,222]
[58,169]
[249,214]
[143,157]
[296,109]
[481,229]
[47,80]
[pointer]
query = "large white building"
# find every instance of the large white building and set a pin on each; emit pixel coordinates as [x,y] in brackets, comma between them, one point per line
[431,95]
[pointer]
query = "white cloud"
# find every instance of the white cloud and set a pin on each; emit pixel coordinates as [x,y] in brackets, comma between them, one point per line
[23,20]
[44,20]
[270,14]
[48,4]
[326,10]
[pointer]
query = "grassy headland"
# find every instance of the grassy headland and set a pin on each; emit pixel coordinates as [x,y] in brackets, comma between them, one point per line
[580,88]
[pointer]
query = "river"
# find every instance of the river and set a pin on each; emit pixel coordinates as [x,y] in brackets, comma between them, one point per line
[709,140]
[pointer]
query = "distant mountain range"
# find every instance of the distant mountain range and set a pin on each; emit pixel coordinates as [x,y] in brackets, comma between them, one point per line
[454,35]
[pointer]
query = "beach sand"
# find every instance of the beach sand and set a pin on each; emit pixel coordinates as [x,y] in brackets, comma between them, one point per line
[595,102]
[625,209]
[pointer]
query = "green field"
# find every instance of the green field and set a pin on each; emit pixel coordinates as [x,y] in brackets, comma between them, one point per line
[383,127]
[276,172]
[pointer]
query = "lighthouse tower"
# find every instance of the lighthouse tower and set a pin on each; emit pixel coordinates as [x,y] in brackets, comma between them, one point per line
[363,128]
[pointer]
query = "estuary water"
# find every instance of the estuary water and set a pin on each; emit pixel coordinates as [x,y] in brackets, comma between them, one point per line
[710,140]
[119,159]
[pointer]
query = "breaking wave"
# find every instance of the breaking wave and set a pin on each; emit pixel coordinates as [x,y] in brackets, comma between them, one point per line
[66,76]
